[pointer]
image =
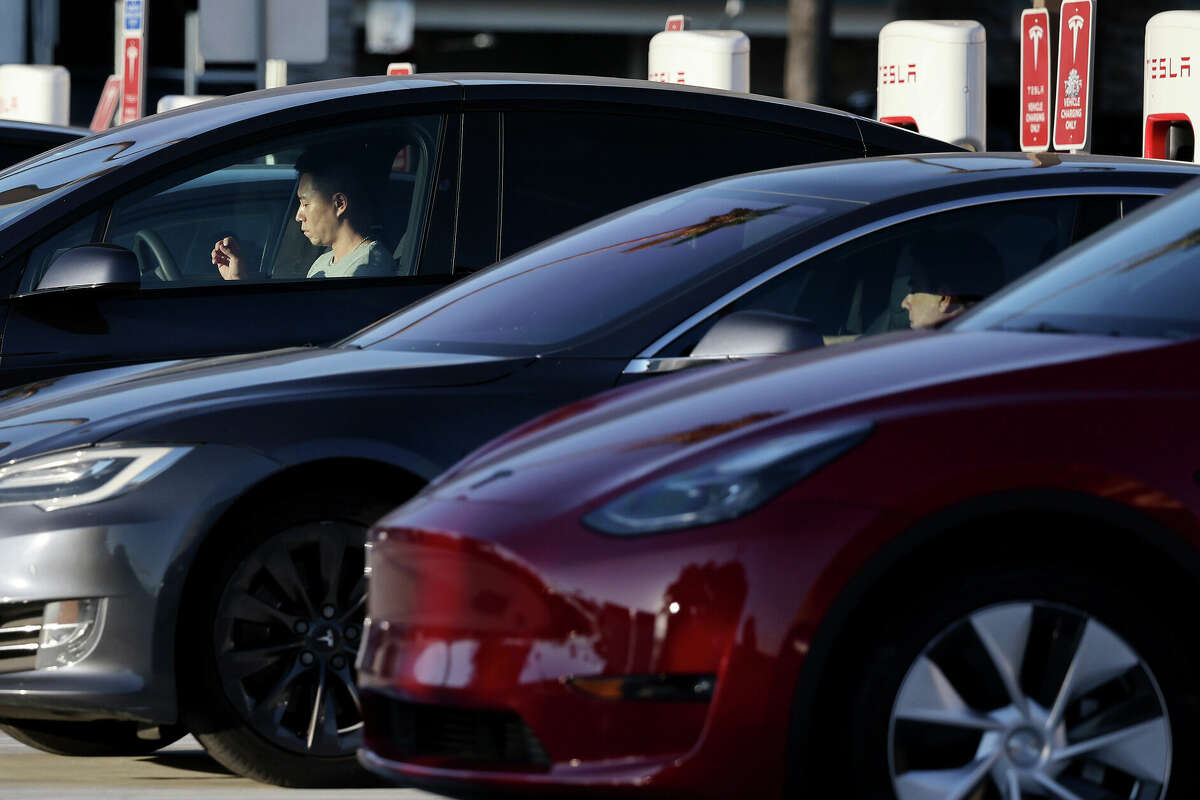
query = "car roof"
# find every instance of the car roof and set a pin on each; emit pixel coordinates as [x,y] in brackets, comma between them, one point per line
[159,129]
[34,128]
[875,180]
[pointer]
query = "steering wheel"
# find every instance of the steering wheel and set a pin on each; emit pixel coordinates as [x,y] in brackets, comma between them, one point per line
[166,268]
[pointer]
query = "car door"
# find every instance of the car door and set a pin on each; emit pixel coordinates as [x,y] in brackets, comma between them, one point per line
[857,287]
[183,307]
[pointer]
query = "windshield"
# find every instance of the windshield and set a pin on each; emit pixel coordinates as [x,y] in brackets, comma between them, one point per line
[44,178]
[592,281]
[1138,278]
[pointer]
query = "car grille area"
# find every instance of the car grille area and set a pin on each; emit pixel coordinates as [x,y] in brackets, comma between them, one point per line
[20,632]
[471,737]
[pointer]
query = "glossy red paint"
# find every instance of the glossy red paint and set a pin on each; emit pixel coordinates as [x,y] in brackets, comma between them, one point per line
[488,592]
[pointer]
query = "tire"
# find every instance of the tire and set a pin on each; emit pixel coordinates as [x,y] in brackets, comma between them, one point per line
[268,679]
[1004,684]
[100,738]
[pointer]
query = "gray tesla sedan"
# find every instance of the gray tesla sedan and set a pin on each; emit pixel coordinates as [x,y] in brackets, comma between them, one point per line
[181,543]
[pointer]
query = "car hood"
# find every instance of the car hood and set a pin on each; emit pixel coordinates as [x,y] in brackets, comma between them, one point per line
[90,407]
[600,444]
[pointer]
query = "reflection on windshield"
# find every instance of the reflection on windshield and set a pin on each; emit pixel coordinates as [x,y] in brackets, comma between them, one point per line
[1138,278]
[21,194]
[738,216]
[591,282]
[44,178]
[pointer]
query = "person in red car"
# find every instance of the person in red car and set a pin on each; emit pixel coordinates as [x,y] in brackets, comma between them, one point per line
[951,271]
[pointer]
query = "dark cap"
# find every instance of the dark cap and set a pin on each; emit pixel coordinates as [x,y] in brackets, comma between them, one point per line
[954,262]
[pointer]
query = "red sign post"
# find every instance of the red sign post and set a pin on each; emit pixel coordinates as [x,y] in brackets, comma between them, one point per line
[106,109]
[1073,94]
[1035,80]
[132,36]
[131,80]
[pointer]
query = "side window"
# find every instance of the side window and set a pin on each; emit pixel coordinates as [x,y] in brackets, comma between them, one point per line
[1099,210]
[564,169]
[355,208]
[859,288]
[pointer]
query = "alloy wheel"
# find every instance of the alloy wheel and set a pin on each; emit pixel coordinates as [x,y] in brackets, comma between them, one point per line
[1029,700]
[286,634]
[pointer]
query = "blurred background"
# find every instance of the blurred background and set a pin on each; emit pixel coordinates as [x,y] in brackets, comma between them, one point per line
[821,51]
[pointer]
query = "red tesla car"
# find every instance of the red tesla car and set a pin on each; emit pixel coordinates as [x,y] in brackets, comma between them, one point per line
[944,564]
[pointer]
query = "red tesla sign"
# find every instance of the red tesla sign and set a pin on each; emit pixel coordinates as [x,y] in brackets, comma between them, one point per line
[110,98]
[131,86]
[1035,79]
[1072,109]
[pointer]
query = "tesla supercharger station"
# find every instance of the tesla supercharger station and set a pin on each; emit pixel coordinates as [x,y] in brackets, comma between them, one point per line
[1171,93]
[933,79]
[717,59]
[35,93]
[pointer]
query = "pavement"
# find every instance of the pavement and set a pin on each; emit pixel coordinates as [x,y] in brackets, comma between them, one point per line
[182,771]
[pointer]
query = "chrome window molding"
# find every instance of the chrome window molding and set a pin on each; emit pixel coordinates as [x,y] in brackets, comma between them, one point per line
[641,363]
[650,366]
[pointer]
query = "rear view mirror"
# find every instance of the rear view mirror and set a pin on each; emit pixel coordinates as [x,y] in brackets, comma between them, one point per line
[92,265]
[757,333]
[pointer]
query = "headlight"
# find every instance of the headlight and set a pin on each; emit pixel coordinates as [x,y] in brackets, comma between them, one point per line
[729,487]
[78,477]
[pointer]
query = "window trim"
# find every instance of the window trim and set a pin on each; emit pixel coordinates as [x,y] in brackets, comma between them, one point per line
[646,361]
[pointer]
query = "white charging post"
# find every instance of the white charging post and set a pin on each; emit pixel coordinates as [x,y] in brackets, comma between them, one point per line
[932,78]
[1171,94]
[714,58]
[35,93]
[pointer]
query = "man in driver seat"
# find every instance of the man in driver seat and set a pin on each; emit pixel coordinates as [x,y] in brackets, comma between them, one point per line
[951,271]
[334,212]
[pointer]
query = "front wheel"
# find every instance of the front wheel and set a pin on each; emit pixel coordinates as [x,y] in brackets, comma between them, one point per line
[1025,684]
[278,626]
[99,738]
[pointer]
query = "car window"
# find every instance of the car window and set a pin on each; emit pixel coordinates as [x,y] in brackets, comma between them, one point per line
[381,171]
[1138,278]
[857,289]
[563,169]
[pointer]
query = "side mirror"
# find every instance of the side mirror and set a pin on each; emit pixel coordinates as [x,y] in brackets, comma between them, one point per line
[757,333]
[742,334]
[92,265]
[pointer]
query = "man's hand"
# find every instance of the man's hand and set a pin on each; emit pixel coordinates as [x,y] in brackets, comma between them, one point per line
[228,257]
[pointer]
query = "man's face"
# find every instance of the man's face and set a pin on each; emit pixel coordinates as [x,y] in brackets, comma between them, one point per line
[317,216]
[925,309]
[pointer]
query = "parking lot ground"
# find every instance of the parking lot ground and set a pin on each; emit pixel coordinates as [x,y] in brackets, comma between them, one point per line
[180,772]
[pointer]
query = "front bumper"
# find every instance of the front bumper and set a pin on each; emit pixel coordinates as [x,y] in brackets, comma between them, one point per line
[133,552]
[472,646]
